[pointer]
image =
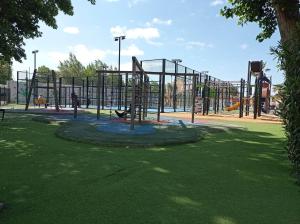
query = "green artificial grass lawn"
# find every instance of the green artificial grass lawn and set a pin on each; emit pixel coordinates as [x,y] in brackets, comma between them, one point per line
[229,177]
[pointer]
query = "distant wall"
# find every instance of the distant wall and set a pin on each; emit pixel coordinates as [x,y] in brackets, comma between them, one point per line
[12,85]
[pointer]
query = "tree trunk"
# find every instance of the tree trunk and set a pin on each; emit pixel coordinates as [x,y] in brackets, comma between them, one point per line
[287,17]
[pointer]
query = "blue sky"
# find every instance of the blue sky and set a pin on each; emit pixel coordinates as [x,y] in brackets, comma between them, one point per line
[191,30]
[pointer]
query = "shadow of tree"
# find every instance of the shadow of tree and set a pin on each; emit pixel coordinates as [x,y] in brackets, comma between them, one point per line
[237,175]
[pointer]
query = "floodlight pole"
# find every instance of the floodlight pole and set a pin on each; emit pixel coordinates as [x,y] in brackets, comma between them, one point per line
[104,66]
[176,61]
[35,92]
[34,53]
[119,39]
[204,92]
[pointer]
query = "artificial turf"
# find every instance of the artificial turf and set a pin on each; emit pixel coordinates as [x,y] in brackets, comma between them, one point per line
[231,177]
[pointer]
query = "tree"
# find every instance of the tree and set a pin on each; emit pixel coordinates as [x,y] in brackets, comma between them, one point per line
[91,68]
[277,89]
[277,98]
[112,78]
[270,14]
[154,86]
[71,67]
[43,69]
[20,19]
[5,72]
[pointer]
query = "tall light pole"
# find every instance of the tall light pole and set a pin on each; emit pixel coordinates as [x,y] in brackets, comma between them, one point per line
[204,74]
[104,67]
[176,61]
[119,38]
[34,53]
[35,91]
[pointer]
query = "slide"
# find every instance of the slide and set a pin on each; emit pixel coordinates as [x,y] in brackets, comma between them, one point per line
[233,107]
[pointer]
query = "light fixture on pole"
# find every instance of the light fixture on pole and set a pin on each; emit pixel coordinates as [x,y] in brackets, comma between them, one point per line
[119,38]
[35,90]
[176,61]
[34,53]
[204,72]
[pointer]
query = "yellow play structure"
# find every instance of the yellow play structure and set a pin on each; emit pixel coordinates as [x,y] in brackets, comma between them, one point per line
[233,107]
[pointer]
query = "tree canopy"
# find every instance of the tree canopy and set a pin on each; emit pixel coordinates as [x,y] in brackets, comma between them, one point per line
[71,67]
[91,68]
[5,72]
[20,20]
[257,11]
[268,14]
[43,69]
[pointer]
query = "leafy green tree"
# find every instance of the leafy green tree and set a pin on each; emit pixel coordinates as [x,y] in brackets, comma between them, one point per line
[91,68]
[43,69]
[270,14]
[278,97]
[20,19]
[43,73]
[154,86]
[112,78]
[277,89]
[5,72]
[71,67]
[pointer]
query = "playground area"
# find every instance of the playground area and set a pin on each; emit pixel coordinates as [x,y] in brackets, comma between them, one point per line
[126,146]
[152,87]
[158,98]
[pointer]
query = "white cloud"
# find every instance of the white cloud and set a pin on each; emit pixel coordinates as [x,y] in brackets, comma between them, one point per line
[132,50]
[132,3]
[244,46]
[136,33]
[86,55]
[193,44]
[143,33]
[217,2]
[196,43]
[154,43]
[118,30]
[71,30]
[111,0]
[126,66]
[57,56]
[159,22]
[82,52]
[179,39]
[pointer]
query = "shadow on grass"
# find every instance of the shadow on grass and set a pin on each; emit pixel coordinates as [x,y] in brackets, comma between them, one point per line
[231,176]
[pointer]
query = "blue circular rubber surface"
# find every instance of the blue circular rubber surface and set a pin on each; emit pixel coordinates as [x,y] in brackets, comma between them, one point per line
[123,128]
